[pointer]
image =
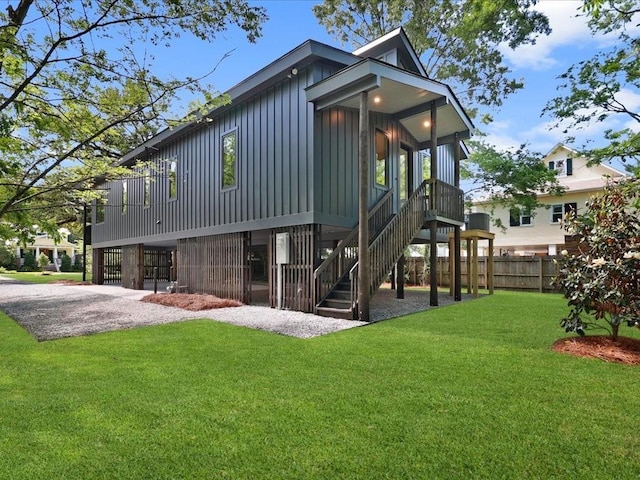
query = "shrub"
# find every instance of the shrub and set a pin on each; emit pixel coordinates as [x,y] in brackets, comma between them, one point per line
[29,264]
[7,257]
[602,283]
[43,261]
[65,263]
[77,263]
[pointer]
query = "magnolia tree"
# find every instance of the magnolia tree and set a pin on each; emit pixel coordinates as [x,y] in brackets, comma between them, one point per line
[602,283]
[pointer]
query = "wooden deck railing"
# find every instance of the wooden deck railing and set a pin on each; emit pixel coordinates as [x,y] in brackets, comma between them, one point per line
[389,245]
[332,269]
[449,201]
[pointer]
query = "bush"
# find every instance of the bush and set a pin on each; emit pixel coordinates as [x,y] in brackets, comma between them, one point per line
[65,263]
[602,284]
[29,264]
[77,263]
[43,261]
[7,257]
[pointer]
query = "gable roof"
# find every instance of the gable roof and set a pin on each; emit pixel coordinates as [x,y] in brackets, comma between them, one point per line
[561,146]
[394,39]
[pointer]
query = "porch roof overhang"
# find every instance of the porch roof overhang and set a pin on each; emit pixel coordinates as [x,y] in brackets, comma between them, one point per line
[405,96]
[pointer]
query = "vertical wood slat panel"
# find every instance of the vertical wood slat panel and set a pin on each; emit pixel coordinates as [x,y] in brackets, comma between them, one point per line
[216,265]
[298,288]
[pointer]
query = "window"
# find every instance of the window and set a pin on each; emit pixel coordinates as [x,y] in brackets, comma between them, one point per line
[562,167]
[147,188]
[100,209]
[518,217]
[125,197]
[229,160]
[382,159]
[173,179]
[559,211]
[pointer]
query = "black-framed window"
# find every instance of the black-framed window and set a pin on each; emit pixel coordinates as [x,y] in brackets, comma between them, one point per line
[173,179]
[125,197]
[382,159]
[230,159]
[147,188]
[100,209]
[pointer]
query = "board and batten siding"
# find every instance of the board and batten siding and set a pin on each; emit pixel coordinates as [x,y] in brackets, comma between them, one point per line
[336,167]
[274,175]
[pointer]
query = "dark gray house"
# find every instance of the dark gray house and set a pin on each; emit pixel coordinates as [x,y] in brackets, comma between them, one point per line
[259,199]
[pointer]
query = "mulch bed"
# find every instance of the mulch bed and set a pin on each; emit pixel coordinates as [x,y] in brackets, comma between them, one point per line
[191,301]
[624,350]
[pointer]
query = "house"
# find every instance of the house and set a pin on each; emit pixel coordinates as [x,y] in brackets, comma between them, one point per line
[52,248]
[308,185]
[541,232]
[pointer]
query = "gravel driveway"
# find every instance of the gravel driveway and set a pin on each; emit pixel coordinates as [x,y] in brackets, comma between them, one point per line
[51,311]
[55,311]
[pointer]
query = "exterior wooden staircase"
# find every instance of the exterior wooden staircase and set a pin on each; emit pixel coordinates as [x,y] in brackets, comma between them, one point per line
[337,277]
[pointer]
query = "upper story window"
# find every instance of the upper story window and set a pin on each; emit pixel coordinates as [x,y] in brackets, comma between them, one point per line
[125,197]
[100,209]
[173,179]
[382,159]
[559,211]
[147,188]
[229,160]
[520,218]
[562,167]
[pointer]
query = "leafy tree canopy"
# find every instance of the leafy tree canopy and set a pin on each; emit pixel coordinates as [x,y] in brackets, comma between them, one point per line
[457,40]
[605,85]
[77,90]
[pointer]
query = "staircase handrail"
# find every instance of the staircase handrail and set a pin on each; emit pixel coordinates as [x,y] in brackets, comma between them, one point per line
[350,241]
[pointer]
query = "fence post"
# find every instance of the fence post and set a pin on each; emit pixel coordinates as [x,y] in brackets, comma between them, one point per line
[540,276]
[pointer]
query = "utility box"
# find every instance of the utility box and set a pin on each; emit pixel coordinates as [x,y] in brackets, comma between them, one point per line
[478,221]
[283,248]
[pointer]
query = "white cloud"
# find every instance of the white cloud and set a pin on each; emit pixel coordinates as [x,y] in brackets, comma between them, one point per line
[568,28]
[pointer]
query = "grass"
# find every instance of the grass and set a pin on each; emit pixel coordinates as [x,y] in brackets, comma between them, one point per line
[44,277]
[466,391]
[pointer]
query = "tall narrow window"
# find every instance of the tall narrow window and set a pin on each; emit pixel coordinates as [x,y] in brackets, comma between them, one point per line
[229,160]
[382,159]
[173,179]
[125,197]
[100,209]
[147,188]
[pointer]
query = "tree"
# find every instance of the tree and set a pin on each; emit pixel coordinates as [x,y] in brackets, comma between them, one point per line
[512,180]
[602,283]
[603,86]
[457,40]
[77,91]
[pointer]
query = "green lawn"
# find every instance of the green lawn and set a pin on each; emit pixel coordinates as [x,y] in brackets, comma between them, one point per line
[466,391]
[46,277]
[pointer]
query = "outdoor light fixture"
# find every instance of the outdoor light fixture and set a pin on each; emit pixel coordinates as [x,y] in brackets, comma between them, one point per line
[427,123]
[376,99]
[293,73]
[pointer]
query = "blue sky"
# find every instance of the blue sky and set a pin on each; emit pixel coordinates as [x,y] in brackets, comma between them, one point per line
[518,121]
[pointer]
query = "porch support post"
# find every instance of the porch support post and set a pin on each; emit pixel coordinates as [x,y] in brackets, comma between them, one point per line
[363,211]
[433,224]
[457,282]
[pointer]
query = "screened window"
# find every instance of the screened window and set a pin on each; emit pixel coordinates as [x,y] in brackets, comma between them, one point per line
[382,159]
[125,197]
[173,179]
[229,160]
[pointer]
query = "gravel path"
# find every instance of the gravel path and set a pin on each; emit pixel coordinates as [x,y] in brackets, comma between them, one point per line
[51,311]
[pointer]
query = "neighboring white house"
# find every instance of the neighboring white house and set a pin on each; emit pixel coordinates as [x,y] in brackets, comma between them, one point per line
[47,245]
[541,233]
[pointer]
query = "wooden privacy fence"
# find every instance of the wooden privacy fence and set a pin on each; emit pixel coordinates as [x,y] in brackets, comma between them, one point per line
[509,273]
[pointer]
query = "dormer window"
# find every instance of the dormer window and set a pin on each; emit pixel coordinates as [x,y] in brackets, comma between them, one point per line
[563,167]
